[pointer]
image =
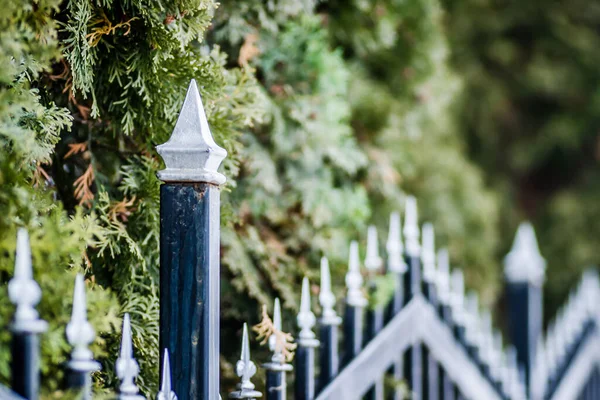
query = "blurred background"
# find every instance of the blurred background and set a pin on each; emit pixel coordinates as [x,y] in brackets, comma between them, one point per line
[488,111]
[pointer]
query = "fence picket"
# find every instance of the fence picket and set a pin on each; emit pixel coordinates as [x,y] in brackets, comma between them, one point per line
[25,294]
[80,335]
[305,353]
[329,326]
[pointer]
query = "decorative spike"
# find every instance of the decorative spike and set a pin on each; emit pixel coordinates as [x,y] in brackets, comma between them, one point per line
[277,356]
[326,296]
[166,390]
[80,333]
[306,318]
[524,262]
[457,295]
[23,291]
[126,366]
[394,246]
[191,153]
[411,227]
[428,252]
[443,276]
[354,280]
[473,318]
[245,369]
[372,260]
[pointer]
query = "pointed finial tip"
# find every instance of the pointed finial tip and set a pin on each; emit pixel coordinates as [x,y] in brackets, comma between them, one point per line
[306,319]
[372,260]
[354,279]
[428,251]
[191,154]
[411,227]
[524,263]
[23,290]
[166,388]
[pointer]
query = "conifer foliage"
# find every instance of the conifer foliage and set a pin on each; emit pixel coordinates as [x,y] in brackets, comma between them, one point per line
[329,115]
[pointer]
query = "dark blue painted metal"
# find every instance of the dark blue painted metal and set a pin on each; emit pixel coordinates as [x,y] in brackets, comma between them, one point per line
[80,382]
[375,318]
[524,320]
[413,362]
[446,385]
[25,364]
[305,373]
[329,360]
[189,292]
[329,355]
[276,388]
[431,374]
[394,307]
[353,332]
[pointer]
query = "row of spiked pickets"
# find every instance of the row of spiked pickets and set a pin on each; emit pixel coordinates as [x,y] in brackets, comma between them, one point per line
[410,256]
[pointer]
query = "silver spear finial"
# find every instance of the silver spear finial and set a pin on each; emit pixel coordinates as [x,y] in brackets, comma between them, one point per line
[80,333]
[443,276]
[524,263]
[126,366]
[23,291]
[306,319]
[354,280]
[394,246]
[166,389]
[372,260]
[411,227]
[428,252]
[326,296]
[245,369]
[191,153]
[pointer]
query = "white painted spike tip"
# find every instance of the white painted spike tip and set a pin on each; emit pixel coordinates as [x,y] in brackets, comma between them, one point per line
[306,319]
[457,295]
[428,252]
[443,276]
[524,262]
[394,246]
[245,369]
[23,291]
[80,333]
[411,227]
[126,366]
[354,280]
[166,390]
[372,260]
[326,296]
[277,356]
[191,154]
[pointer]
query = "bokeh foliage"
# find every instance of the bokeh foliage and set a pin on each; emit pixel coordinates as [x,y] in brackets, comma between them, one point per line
[331,113]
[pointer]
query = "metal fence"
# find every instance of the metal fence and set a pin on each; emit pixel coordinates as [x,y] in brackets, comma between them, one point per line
[430,342]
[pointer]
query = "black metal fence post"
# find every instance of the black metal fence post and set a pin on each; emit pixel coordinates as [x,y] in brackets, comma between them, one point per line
[305,353]
[355,304]
[329,360]
[413,364]
[25,293]
[276,385]
[80,335]
[189,251]
[524,271]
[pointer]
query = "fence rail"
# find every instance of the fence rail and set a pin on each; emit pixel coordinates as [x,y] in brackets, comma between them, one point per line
[431,336]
